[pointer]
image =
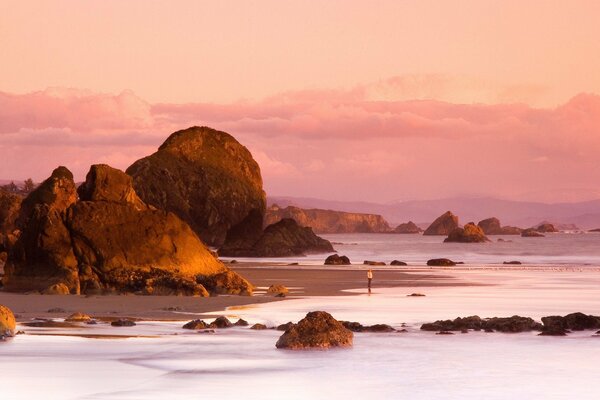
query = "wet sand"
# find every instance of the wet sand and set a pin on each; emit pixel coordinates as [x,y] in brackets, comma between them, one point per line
[322,281]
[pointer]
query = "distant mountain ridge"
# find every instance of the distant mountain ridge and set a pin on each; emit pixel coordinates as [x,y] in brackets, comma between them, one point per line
[585,215]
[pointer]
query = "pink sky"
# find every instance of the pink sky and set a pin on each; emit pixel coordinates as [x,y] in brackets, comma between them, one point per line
[340,99]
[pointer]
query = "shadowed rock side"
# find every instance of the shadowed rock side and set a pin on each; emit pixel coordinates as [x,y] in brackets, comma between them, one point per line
[109,241]
[329,221]
[470,233]
[335,259]
[408,228]
[208,179]
[282,239]
[512,324]
[317,330]
[10,204]
[491,226]
[443,225]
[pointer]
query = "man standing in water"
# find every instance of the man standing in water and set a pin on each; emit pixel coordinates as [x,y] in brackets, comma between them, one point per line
[369,279]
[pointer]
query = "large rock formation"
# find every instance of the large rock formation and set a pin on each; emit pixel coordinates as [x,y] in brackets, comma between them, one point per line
[282,239]
[408,228]
[317,330]
[470,233]
[109,240]
[329,221]
[443,225]
[491,226]
[208,179]
[546,227]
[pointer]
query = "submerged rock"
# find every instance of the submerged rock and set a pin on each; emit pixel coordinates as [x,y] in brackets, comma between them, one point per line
[441,262]
[554,325]
[470,233]
[8,324]
[335,259]
[443,225]
[317,330]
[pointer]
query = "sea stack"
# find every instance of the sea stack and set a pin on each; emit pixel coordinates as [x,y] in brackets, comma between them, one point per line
[470,233]
[443,225]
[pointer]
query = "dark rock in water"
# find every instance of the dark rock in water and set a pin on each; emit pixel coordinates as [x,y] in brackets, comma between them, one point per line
[443,225]
[373,263]
[473,322]
[512,324]
[570,322]
[208,179]
[416,295]
[209,331]
[407,228]
[50,323]
[464,331]
[594,230]
[317,330]
[282,239]
[491,226]
[398,263]
[546,228]
[335,259]
[358,327]
[445,333]
[241,322]
[285,327]
[196,324]
[441,262]
[258,327]
[8,324]
[123,322]
[470,233]
[530,232]
[221,322]
[108,242]
[512,263]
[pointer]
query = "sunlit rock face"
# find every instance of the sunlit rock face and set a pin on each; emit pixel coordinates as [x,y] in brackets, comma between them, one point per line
[317,330]
[470,233]
[443,225]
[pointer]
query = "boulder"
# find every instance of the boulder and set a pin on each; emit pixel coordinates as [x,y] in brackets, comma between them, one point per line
[398,263]
[512,263]
[226,282]
[443,225]
[530,232]
[241,322]
[470,233]
[357,327]
[407,228]
[196,324]
[374,263]
[208,179]
[317,330]
[441,262]
[78,317]
[275,290]
[258,327]
[283,239]
[8,323]
[491,226]
[570,322]
[285,327]
[220,322]
[335,259]
[512,324]
[546,228]
[415,295]
[123,322]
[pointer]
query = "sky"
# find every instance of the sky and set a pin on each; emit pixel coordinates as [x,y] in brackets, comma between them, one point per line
[345,100]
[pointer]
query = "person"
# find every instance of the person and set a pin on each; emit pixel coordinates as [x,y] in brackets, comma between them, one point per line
[369,278]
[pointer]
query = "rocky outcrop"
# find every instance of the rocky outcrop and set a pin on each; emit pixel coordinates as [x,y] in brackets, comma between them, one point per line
[108,241]
[335,259]
[443,225]
[8,323]
[195,324]
[10,205]
[317,330]
[407,228]
[546,227]
[530,232]
[282,239]
[441,262]
[512,324]
[328,221]
[470,233]
[208,179]
[278,290]
[491,226]
[398,263]
[373,263]
[358,327]
[571,322]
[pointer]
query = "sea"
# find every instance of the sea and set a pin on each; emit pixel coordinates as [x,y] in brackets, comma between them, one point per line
[164,361]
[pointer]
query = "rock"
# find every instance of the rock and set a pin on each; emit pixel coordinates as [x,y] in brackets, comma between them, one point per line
[78,317]
[441,262]
[8,324]
[10,205]
[512,263]
[357,327]
[407,228]
[220,322]
[57,289]
[258,327]
[241,322]
[398,263]
[464,331]
[283,239]
[473,322]
[122,322]
[196,324]
[470,233]
[546,227]
[335,259]
[445,333]
[285,327]
[443,225]
[491,226]
[554,325]
[375,263]
[328,221]
[594,230]
[109,241]
[208,179]
[277,290]
[50,323]
[226,282]
[530,232]
[317,330]
[504,324]
[415,295]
